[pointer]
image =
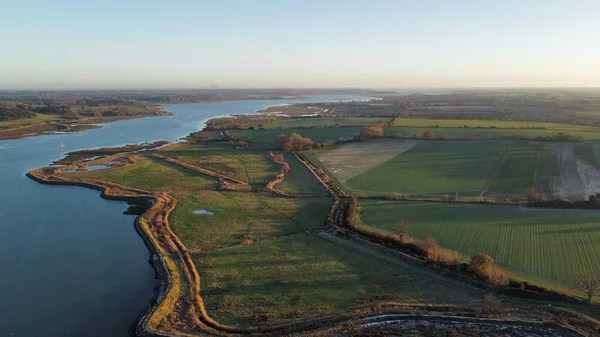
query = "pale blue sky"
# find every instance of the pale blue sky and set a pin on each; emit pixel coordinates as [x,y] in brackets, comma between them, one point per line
[280,43]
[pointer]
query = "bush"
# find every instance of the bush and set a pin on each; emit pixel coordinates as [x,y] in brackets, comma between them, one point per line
[428,135]
[483,266]
[294,142]
[491,303]
[532,196]
[447,198]
[370,132]
[436,253]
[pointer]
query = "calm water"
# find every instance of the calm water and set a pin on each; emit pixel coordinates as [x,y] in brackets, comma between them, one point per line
[71,264]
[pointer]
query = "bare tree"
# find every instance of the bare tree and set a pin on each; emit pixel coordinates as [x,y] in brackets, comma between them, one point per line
[589,283]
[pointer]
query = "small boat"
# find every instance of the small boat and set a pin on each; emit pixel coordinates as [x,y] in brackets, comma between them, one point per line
[62,145]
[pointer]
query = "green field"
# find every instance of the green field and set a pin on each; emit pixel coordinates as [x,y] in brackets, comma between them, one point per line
[433,168]
[324,122]
[588,152]
[265,139]
[308,275]
[299,179]
[39,118]
[473,123]
[236,215]
[256,168]
[553,244]
[239,216]
[487,133]
[153,175]
[488,129]
[524,166]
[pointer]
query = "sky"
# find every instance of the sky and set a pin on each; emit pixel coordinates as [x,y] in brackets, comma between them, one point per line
[72,44]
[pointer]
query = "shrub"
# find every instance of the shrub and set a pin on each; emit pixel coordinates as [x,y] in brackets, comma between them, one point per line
[394,196]
[532,196]
[483,266]
[370,132]
[436,253]
[491,303]
[294,142]
[428,135]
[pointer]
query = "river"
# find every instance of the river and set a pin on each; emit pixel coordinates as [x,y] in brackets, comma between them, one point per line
[71,263]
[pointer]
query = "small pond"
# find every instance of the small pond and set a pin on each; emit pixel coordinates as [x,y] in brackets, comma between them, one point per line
[203,211]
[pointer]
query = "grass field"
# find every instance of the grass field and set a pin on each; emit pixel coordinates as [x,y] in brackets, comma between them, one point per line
[239,216]
[461,123]
[352,159]
[152,174]
[307,275]
[324,122]
[433,168]
[555,244]
[524,166]
[265,139]
[588,152]
[299,179]
[39,118]
[256,168]
[488,133]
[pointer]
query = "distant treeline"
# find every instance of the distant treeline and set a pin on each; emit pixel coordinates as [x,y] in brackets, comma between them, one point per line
[111,103]
[10,112]
[134,97]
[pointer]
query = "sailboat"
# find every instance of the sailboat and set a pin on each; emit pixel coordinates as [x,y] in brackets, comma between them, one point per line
[62,145]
